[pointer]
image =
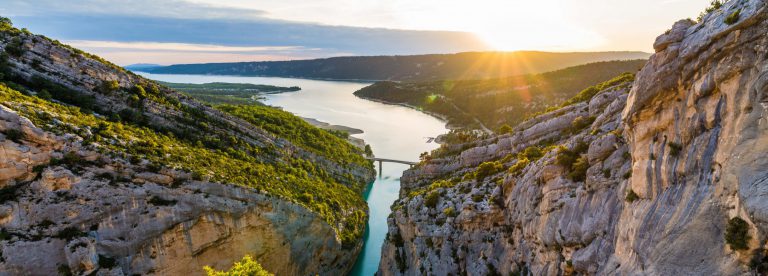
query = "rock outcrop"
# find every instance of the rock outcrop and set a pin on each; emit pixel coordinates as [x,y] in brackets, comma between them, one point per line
[116,219]
[649,188]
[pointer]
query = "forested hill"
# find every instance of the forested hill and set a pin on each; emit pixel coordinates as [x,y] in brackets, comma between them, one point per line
[470,65]
[495,102]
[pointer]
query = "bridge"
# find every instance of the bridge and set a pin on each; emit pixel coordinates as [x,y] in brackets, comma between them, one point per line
[382,160]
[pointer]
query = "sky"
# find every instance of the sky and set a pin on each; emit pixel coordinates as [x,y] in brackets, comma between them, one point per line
[195,31]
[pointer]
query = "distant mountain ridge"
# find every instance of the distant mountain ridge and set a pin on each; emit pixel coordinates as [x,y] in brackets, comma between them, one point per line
[467,65]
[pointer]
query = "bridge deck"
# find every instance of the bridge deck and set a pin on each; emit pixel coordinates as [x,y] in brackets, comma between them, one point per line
[392,161]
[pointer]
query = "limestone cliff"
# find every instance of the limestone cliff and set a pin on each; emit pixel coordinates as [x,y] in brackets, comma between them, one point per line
[651,177]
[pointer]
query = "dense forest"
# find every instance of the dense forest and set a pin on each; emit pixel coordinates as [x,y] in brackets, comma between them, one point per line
[471,65]
[496,102]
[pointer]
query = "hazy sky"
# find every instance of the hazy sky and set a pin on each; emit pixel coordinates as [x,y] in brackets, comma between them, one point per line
[187,31]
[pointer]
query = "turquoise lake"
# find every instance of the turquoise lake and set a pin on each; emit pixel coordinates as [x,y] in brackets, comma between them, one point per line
[394,132]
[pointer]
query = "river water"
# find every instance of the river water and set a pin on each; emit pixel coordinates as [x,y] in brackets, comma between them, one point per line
[394,132]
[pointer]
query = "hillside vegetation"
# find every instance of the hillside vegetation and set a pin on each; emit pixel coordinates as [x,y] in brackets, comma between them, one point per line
[497,102]
[461,66]
[146,124]
[228,93]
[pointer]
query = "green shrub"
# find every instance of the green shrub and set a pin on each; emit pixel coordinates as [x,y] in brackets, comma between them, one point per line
[572,160]
[532,153]
[486,169]
[44,94]
[14,47]
[579,169]
[713,6]
[737,234]
[478,197]
[733,17]
[580,123]
[245,267]
[109,86]
[450,212]
[589,92]
[431,199]
[158,201]
[504,129]
[14,135]
[518,167]
[632,196]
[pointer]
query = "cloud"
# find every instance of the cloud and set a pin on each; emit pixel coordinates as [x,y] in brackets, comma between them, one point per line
[144,8]
[178,47]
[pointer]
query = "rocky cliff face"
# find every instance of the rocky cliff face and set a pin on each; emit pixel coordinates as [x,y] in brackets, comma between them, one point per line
[114,218]
[72,203]
[650,186]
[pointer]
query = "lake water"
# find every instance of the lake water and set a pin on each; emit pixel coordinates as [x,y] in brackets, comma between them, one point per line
[394,132]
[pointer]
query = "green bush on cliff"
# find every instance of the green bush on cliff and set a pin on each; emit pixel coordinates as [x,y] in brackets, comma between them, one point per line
[486,169]
[245,267]
[737,234]
[733,17]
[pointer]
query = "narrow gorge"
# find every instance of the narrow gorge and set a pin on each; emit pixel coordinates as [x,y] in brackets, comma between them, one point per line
[662,175]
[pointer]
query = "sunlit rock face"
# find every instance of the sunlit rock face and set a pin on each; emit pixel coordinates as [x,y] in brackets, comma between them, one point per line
[671,160]
[143,222]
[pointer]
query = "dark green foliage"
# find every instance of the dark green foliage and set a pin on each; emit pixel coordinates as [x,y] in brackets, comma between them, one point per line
[299,132]
[579,169]
[62,93]
[532,153]
[431,199]
[158,201]
[713,6]
[228,93]
[449,212]
[486,169]
[518,167]
[70,233]
[5,24]
[14,135]
[631,196]
[733,17]
[109,86]
[737,234]
[368,150]
[589,92]
[44,94]
[478,197]
[14,47]
[107,262]
[504,129]
[579,124]
[572,160]
[674,149]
